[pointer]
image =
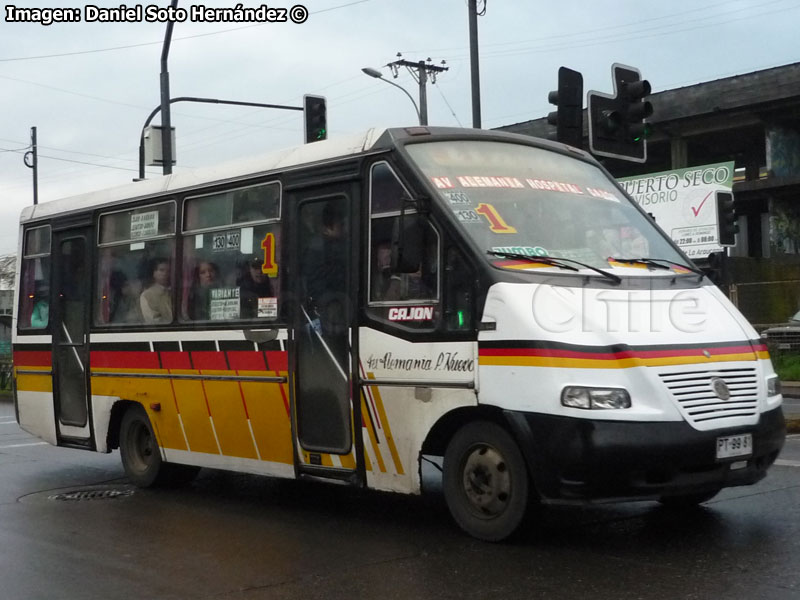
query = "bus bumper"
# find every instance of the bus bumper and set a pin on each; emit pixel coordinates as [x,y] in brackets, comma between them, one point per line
[591,460]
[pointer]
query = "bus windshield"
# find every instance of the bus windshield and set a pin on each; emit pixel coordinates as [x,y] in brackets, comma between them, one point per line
[520,200]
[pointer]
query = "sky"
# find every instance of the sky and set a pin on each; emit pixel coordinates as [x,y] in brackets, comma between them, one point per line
[88,87]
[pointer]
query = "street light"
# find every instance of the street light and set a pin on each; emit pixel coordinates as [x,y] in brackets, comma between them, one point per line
[378,75]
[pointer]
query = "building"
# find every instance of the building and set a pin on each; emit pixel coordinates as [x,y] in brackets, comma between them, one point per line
[754,120]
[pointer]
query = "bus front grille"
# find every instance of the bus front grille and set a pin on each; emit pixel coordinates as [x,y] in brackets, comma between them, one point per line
[700,404]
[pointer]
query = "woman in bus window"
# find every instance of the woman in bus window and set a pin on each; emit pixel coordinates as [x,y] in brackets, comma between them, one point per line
[206,276]
[156,300]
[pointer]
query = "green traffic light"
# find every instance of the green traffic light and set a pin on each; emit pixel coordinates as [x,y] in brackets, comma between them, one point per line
[644,133]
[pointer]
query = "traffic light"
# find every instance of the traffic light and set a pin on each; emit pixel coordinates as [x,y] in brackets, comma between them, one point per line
[617,126]
[727,225]
[315,114]
[568,119]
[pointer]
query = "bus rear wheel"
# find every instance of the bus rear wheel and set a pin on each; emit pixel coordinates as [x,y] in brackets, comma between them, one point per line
[485,481]
[141,456]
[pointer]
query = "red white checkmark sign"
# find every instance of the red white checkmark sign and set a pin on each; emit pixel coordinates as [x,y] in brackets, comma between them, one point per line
[696,211]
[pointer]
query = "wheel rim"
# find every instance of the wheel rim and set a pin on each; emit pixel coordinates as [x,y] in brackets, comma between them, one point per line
[486,481]
[141,446]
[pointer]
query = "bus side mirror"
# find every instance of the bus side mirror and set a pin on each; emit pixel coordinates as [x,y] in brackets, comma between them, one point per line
[407,243]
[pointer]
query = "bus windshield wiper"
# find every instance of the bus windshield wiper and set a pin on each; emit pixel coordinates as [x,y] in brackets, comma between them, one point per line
[556,261]
[657,263]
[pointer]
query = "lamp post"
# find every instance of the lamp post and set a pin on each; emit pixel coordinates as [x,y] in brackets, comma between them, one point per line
[378,75]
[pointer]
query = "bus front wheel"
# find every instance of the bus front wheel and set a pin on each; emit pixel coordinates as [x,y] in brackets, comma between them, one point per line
[485,481]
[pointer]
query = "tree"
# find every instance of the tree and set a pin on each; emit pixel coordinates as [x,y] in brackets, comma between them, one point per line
[8,269]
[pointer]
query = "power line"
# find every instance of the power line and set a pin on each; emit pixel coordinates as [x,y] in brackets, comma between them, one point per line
[633,36]
[80,162]
[14,149]
[452,112]
[576,33]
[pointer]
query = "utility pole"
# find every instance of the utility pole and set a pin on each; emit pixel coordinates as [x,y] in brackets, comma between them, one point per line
[473,60]
[166,117]
[420,71]
[33,156]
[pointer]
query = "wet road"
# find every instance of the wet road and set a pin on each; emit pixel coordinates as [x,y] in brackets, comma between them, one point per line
[231,536]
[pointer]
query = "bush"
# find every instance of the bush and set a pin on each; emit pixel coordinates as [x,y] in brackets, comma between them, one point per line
[787,365]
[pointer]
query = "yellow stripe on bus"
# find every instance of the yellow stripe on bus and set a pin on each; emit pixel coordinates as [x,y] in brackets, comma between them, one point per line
[623,363]
[373,439]
[387,430]
[35,383]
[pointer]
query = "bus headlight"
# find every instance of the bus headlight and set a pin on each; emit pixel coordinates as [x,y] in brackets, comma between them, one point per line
[576,396]
[773,385]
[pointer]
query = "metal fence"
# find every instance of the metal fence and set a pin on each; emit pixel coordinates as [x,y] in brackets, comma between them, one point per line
[766,303]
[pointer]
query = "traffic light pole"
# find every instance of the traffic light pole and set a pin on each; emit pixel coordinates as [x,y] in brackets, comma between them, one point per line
[158,109]
[474,63]
[166,117]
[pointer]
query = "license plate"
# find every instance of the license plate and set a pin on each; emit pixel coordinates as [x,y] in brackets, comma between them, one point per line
[735,445]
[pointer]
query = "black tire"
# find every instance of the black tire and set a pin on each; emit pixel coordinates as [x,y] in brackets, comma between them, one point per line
[687,500]
[485,481]
[141,456]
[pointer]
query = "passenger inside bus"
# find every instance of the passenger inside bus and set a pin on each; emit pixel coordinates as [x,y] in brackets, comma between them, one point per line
[253,284]
[41,307]
[205,278]
[324,269]
[123,306]
[156,299]
[390,286]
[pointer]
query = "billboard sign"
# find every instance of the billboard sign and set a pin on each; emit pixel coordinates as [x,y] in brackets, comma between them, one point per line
[683,203]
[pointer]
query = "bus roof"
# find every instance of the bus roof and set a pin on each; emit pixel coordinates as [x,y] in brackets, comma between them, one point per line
[279,160]
[341,146]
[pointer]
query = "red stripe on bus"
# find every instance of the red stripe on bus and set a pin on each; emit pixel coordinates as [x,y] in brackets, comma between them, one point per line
[175,360]
[277,360]
[209,361]
[119,360]
[555,353]
[33,358]
[246,360]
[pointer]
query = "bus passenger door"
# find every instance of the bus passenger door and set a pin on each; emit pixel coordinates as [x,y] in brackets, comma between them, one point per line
[322,307]
[70,318]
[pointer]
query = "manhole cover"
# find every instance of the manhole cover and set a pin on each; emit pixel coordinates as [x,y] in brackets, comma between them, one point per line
[91,495]
[101,491]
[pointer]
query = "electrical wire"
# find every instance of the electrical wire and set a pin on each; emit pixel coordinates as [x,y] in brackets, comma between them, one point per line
[578,33]
[715,22]
[452,112]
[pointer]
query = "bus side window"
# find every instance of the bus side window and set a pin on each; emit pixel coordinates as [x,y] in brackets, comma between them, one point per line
[231,246]
[133,243]
[408,294]
[388,285]
[34,297]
